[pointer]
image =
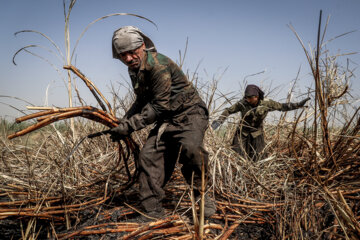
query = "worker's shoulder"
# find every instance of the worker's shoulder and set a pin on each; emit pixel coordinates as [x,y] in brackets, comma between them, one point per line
[241,102]
[266,100]
[155,59]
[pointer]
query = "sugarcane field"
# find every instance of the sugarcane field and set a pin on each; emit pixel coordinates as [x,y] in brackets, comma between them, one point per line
[148,139]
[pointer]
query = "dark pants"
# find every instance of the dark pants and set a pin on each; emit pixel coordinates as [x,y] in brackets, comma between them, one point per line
[183,139]
[248,146]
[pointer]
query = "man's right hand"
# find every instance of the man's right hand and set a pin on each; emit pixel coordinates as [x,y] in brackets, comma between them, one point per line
[215,124]
[119,132]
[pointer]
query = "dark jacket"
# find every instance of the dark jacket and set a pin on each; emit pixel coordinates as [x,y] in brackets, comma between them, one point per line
[162,91]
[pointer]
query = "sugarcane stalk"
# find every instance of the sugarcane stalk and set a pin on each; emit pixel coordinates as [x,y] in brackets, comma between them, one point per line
[231,229]
[202,201]
[193,208]
[94,90]
[40,108]
[45,112]
[91,114]
[149,226]
[61,110]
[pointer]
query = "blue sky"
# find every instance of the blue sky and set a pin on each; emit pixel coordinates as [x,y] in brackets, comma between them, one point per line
[244,37]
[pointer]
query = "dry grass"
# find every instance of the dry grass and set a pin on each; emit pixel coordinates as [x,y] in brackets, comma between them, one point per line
[292,193]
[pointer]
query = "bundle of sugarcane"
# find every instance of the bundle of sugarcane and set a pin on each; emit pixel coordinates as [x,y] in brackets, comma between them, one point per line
[103,116]
[50,115]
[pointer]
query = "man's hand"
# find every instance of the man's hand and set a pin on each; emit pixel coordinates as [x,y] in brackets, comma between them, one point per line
[302,103]
[215,124]
[119,132]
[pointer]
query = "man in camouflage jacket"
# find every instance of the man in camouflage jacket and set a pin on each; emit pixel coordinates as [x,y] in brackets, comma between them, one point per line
[163,96]
[248,140]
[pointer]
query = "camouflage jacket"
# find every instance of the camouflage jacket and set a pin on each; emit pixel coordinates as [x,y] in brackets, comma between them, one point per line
[162,91]
[253,117]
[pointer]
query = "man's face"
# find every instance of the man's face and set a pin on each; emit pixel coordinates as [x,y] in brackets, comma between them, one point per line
[253,100]
[133,58]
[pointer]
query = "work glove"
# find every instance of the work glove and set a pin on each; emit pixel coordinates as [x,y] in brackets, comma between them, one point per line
[119,132]
[215,124]
[302,103]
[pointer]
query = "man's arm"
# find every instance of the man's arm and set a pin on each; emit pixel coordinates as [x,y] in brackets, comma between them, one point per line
[160,88]
[228,111]
[273,105]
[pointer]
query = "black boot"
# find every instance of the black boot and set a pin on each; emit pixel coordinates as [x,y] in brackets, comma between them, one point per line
[152,209]
[151,216]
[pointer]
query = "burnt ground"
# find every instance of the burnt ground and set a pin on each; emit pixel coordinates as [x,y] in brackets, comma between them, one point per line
[10,228]
[115,211]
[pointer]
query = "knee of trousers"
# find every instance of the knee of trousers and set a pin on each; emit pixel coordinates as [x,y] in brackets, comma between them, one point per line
[147,158]
[193,154]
